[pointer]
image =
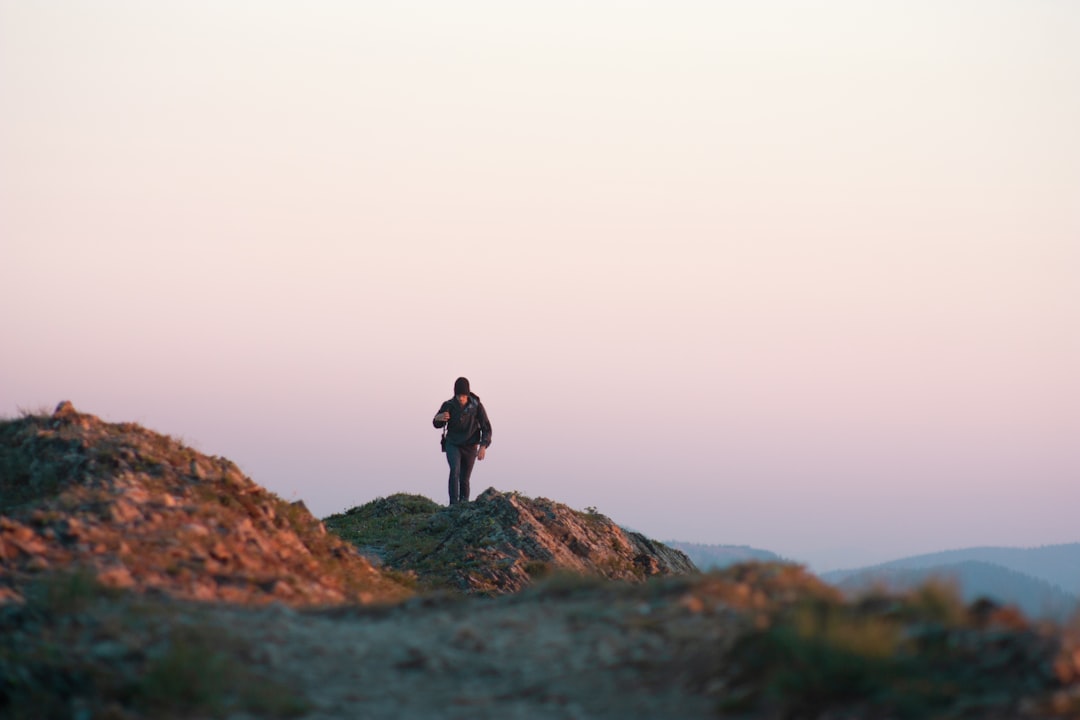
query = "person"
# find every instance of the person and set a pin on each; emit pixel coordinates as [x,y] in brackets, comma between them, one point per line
[467,438]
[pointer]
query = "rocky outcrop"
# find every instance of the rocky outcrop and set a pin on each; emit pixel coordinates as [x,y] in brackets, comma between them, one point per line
[141,510]
[501,541]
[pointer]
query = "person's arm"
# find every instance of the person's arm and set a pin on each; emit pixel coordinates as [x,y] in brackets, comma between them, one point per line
[442,416]
[485,427]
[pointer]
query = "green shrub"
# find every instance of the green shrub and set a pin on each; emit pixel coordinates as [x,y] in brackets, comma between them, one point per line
[564,583]
[67,592]
[908,658]
[204,672]
[190,676]
[538,569]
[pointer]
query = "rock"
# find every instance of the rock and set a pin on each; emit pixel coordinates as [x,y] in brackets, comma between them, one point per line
[31,546]
[117,577]
[72,529]
[124,512]
[220,552]
[9,595]
[20,532]
[204,590]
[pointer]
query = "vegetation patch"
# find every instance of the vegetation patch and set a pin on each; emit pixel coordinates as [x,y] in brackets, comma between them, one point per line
[77,649]
[402,530]
[34,460]
[909,657]
[200,670]
[67,592]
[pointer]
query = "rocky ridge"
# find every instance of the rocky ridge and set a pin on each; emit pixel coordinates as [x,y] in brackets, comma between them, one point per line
[501,542]
[142,511]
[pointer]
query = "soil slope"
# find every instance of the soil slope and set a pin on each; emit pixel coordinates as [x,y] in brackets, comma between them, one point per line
[142,511]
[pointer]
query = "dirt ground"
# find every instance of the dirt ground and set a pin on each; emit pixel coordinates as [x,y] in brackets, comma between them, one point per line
[568,658]
[570,648]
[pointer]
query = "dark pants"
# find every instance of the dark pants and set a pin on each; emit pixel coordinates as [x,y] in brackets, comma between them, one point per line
[461,459]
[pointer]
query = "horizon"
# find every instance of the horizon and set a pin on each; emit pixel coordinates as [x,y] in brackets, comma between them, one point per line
[796,278]
[818,568]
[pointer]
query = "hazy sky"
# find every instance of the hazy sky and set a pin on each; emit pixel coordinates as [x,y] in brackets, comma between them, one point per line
[797,275]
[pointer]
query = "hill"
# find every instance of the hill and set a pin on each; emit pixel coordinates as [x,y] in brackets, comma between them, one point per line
[973,580]
[139,510]
[140,579]
[500,542]
[718,557]
[1056,564]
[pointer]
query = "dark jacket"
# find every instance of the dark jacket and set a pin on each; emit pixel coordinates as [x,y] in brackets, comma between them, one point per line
[469,425]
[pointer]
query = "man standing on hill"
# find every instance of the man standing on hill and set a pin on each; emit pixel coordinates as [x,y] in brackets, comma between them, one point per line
[467,437]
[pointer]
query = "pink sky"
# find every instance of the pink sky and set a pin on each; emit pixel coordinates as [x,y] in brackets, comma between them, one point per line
[799,276]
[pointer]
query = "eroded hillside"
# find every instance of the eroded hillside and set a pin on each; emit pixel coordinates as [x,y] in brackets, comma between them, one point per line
[141,510]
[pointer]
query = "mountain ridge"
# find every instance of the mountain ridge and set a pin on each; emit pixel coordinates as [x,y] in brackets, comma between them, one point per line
[1057,564]
[974,580]
[1044,581]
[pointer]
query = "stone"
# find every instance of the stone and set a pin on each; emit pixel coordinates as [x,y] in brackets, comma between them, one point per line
[9,595]
[204,590]
[117,577]
[220,552]
[21,533]
[73,529]
[137,495]
[124,512]
[30,546]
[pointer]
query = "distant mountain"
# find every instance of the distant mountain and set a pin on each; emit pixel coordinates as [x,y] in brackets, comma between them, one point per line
[974,579]
[717,557]
[1056,564]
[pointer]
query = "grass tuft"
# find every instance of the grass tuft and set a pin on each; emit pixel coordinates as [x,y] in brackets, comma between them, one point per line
[203,672]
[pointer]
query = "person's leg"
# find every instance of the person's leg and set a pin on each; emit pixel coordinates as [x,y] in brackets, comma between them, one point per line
[453,458]
[468,459]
